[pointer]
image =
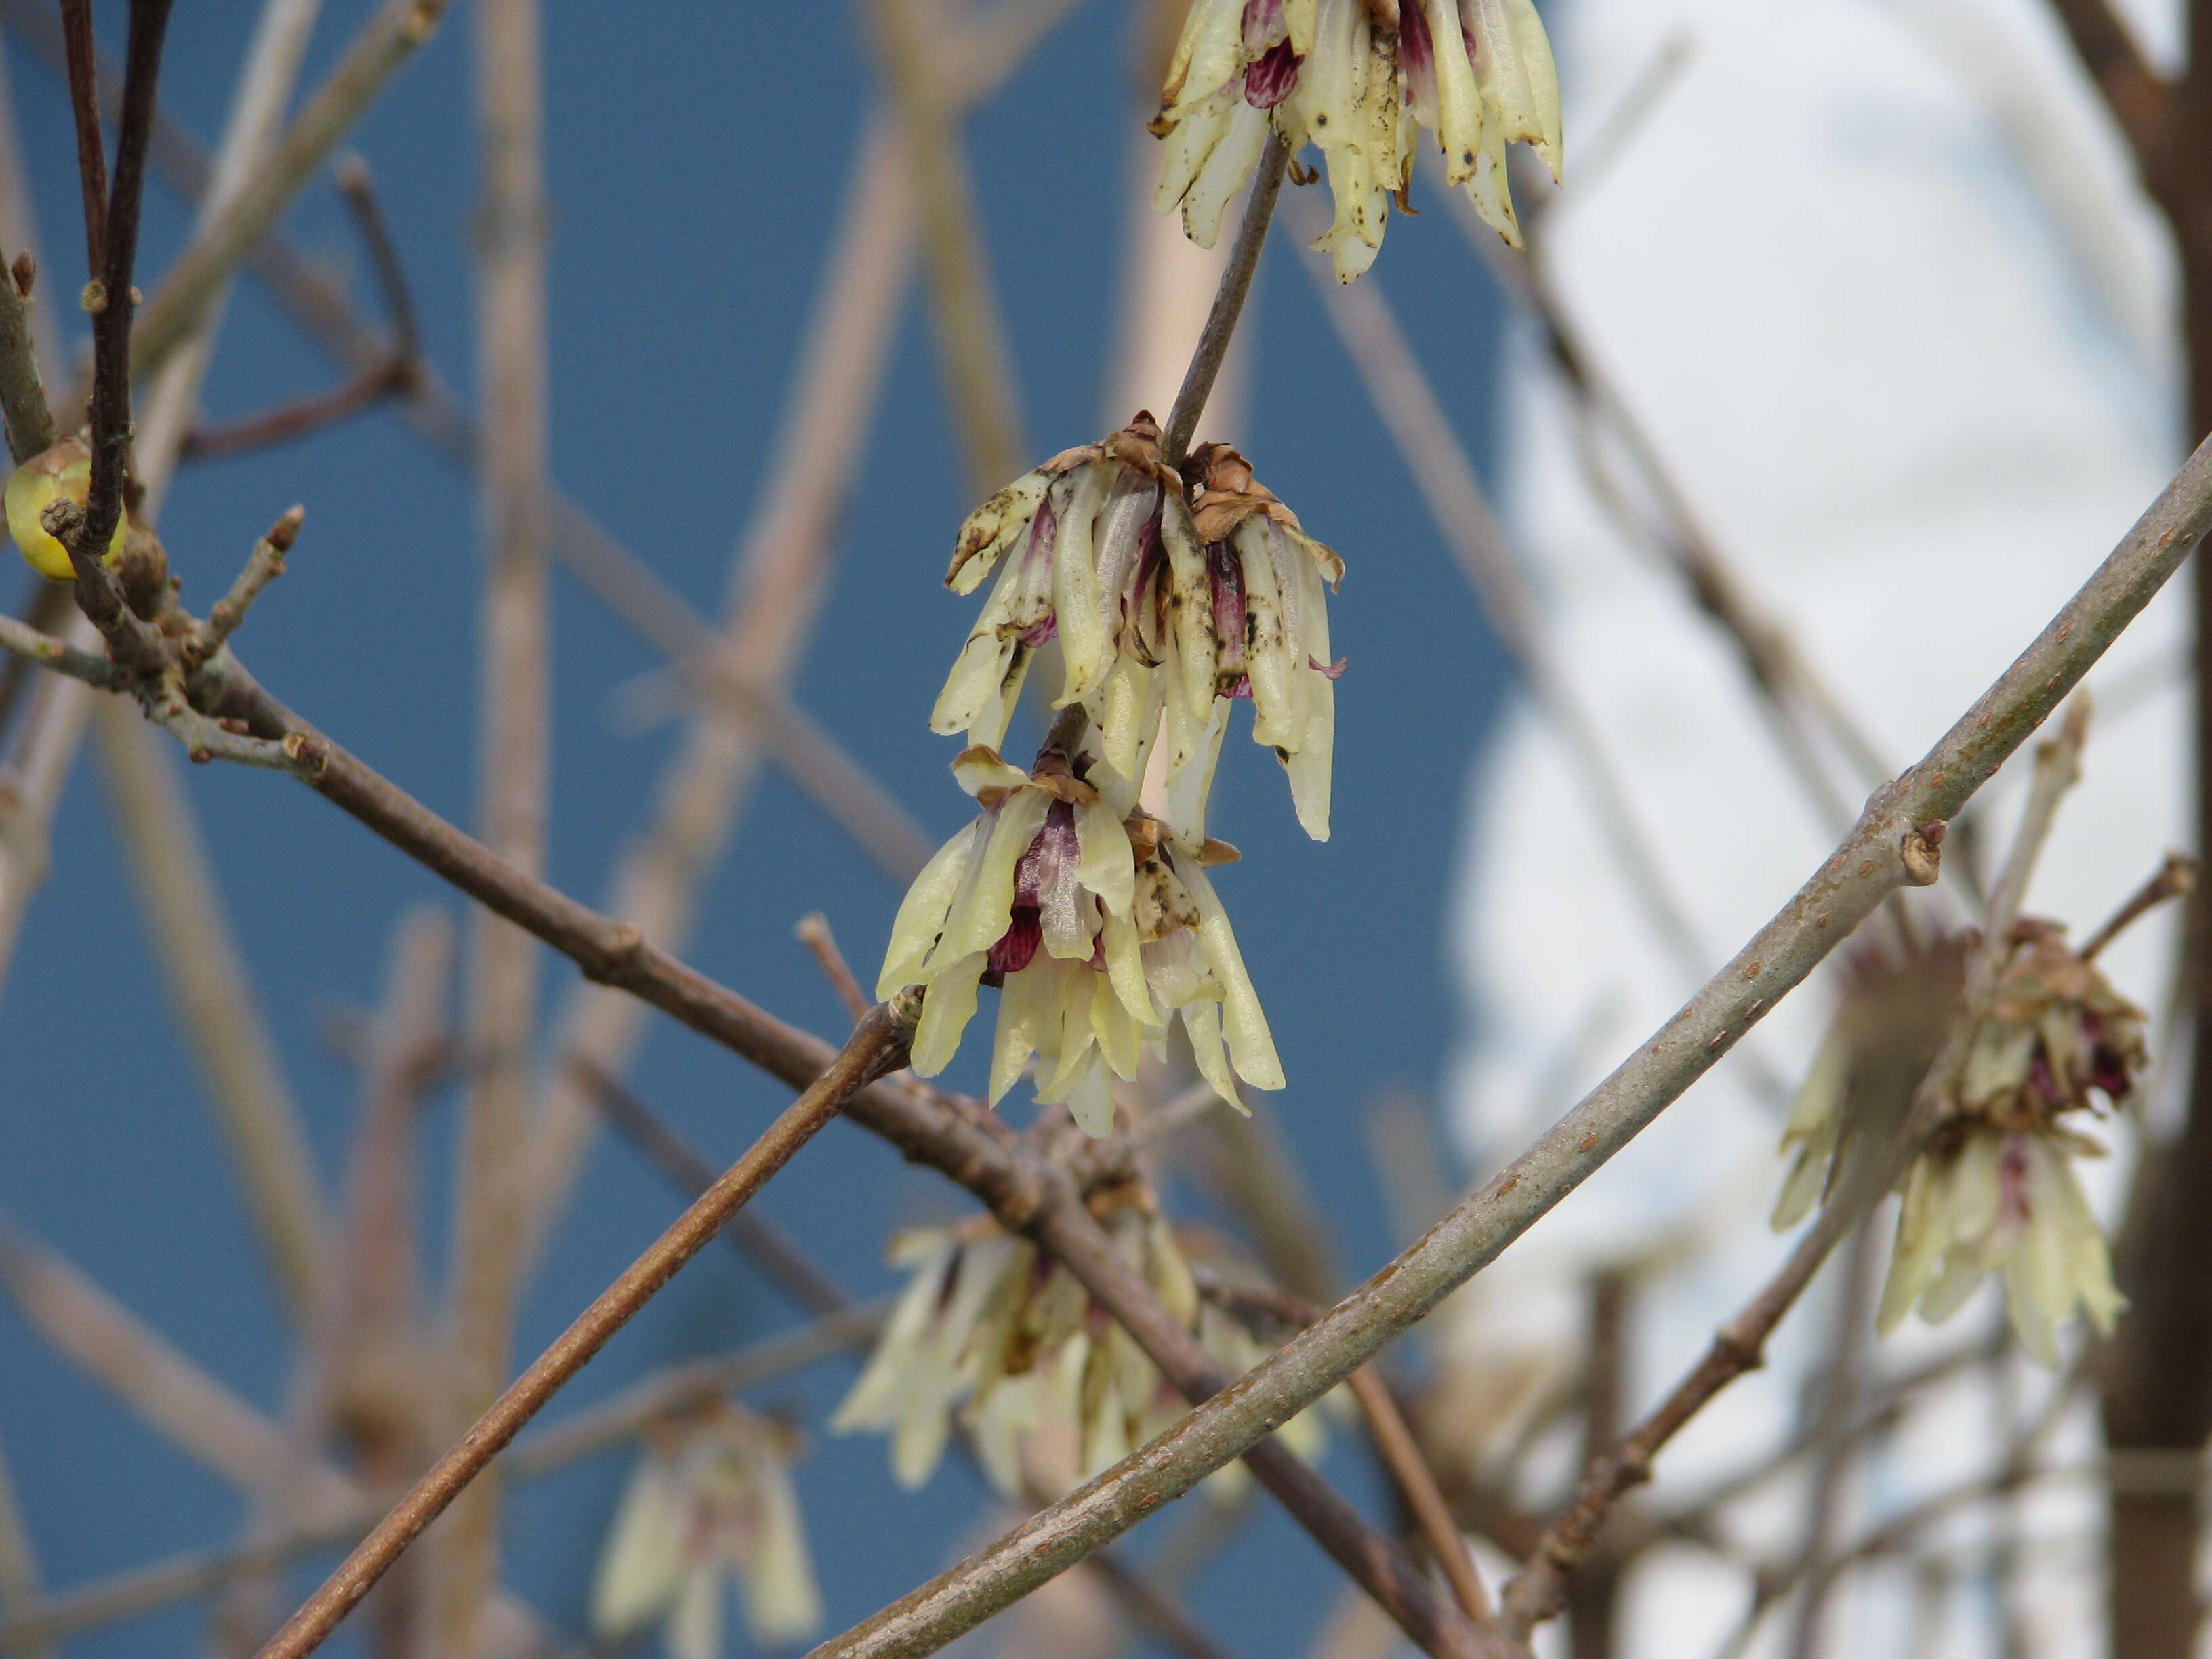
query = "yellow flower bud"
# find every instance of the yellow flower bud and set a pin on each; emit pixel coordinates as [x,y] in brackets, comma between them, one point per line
[63,471]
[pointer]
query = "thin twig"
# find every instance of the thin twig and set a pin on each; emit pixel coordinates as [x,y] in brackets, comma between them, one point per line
[115,303]
[47,651]
[813,932]
[397,373]
[22,394]
[391,37]
[758,1240]
[878,1042]
[217,1009]
[978,369]
[1228,301]
[777,586]
[91,142]
[493,1195]
[263,566]
[2176,877]
[1738,1346]
[1416,1484]
[19,1566]
[2134,93]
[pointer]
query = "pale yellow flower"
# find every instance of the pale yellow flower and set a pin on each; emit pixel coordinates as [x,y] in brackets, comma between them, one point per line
[1096,929]
[1994,1191]
[1165,612]
[711,1500]
[61,473]
[1995,1200]
[991,1333]
[1359,79]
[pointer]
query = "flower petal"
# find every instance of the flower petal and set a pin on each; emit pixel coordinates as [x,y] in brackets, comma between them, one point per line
[921,913]
[1251,1046]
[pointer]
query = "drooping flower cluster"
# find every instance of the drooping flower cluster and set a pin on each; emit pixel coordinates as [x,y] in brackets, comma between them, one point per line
[1168,602]
[1098,930]
[1003,1339]
[1359,79]
[711,1498]
[1164,612]
[1995,1191]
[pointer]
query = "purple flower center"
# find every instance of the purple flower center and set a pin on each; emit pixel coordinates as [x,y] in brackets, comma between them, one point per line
[1046,875]
[1273,76]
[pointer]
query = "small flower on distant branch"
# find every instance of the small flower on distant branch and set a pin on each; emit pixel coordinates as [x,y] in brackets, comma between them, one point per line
[1996,1191]
[1359,79]
[711,1498]
[1994,1188]
[1097,930]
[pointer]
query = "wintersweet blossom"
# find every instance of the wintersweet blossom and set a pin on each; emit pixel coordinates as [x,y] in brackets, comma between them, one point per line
[1097,930]
[711,1498]
[1164,612]
[1359,79]
[1994,1190]
[2001,1201]
[1097,553]
[993,1334]
[61,473]
[1264,576]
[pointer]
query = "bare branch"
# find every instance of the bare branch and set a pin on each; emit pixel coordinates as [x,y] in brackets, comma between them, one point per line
[2134,93]
[263,566]
[1869,865]
[879,1042]
[22,394]
[1228,301]
[217,247]
[760,1242]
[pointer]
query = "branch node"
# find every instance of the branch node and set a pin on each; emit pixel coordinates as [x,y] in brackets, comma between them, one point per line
[1922,851]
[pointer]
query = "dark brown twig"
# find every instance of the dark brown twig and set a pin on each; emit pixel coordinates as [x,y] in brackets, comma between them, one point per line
[1228,301]
[2176,877]
[1395,1441]
[117,301]
[1738,1346]
[878,1041]
[397,373]
[91,143]
[2134,93]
